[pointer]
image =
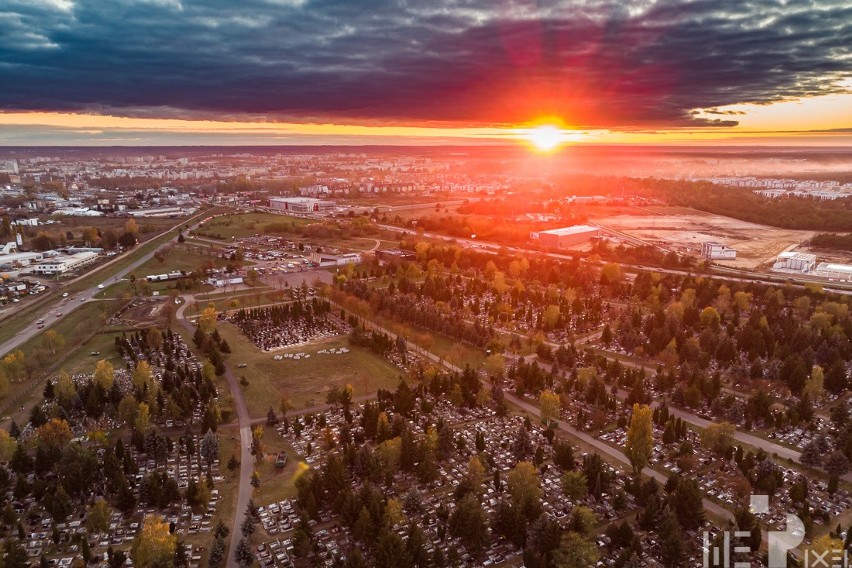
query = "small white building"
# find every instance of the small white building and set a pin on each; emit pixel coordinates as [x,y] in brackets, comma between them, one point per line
[65,263]
[222,282]
[717,251]
[795,262]
[839,272]
[325,259]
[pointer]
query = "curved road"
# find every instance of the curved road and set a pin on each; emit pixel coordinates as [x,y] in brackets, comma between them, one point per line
[244,490]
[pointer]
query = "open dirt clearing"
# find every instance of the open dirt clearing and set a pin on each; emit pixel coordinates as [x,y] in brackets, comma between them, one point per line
[684,230]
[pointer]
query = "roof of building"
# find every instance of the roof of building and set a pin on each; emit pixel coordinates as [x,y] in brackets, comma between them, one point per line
[835,267]
[573,230]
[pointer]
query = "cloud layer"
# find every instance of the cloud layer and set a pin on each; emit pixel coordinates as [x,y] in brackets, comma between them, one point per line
[464,62]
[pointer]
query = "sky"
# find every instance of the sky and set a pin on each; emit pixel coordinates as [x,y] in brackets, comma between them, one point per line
[171,72]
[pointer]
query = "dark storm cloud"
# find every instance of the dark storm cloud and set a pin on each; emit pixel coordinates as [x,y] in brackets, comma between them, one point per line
[458,61]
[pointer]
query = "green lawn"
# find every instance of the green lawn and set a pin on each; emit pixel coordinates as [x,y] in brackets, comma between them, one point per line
[78,330]
[246,224]
[178,259]
[304,380]
[276,484]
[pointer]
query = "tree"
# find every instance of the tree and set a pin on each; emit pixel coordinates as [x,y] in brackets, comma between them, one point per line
[522,446]
[549,405]
[837,463]
[470,523]
[718,437]
[207,320]
[671,540]
[99,515]
[563,455]
[611,273]
[243,554]
[710,319]
[52,341]
[209,447]
[575,485]
[814,386]
[688,504]
[495,365]
[55,434]
[104,374]
[583,520]
[142,375]
[143,418]
[393,513]
[640,437]
[525,490]
[8,445]
[575,551]
[155,545]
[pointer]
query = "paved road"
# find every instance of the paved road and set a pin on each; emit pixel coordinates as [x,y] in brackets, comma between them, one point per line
[740,436]
[727,273]
[244,491]
[59,309]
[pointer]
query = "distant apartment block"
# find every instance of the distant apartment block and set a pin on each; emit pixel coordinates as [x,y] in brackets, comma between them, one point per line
[567,236]
[717,251]
[301,205]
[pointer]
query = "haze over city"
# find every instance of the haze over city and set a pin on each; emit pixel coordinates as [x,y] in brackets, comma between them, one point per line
[173,72]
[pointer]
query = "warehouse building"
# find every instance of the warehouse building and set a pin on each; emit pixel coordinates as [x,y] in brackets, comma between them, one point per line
[795,262]
[63,264]
[838,272]
[717,251]
[302,205]
[324,259]
[568,236]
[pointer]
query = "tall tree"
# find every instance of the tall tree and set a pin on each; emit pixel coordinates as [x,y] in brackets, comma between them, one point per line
[640,437]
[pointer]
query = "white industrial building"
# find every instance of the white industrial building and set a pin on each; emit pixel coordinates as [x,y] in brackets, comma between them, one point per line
[566,236]
[222,282]
[324,259]
[717,251]
[840,272]
[302,205]
[63,264]
[19,259]
[795,262]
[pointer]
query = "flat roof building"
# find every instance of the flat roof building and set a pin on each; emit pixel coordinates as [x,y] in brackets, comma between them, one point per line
[325,259]
[841,272]
[302,205]
[63,264]
[717,251]
[795,262]
[568,236]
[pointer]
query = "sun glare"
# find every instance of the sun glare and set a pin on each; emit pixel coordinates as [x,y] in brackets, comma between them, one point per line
[545,137]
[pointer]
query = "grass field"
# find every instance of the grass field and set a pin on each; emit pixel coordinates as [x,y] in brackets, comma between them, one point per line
[79,331]
[305,380]
[246,224]
[276,484]
[178,259]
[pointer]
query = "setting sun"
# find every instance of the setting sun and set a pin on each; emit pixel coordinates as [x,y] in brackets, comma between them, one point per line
[545,137]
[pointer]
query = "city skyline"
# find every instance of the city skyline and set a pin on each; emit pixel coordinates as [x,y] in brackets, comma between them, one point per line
[306,73]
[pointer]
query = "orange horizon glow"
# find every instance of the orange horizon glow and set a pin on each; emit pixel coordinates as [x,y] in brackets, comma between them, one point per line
[825,119]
